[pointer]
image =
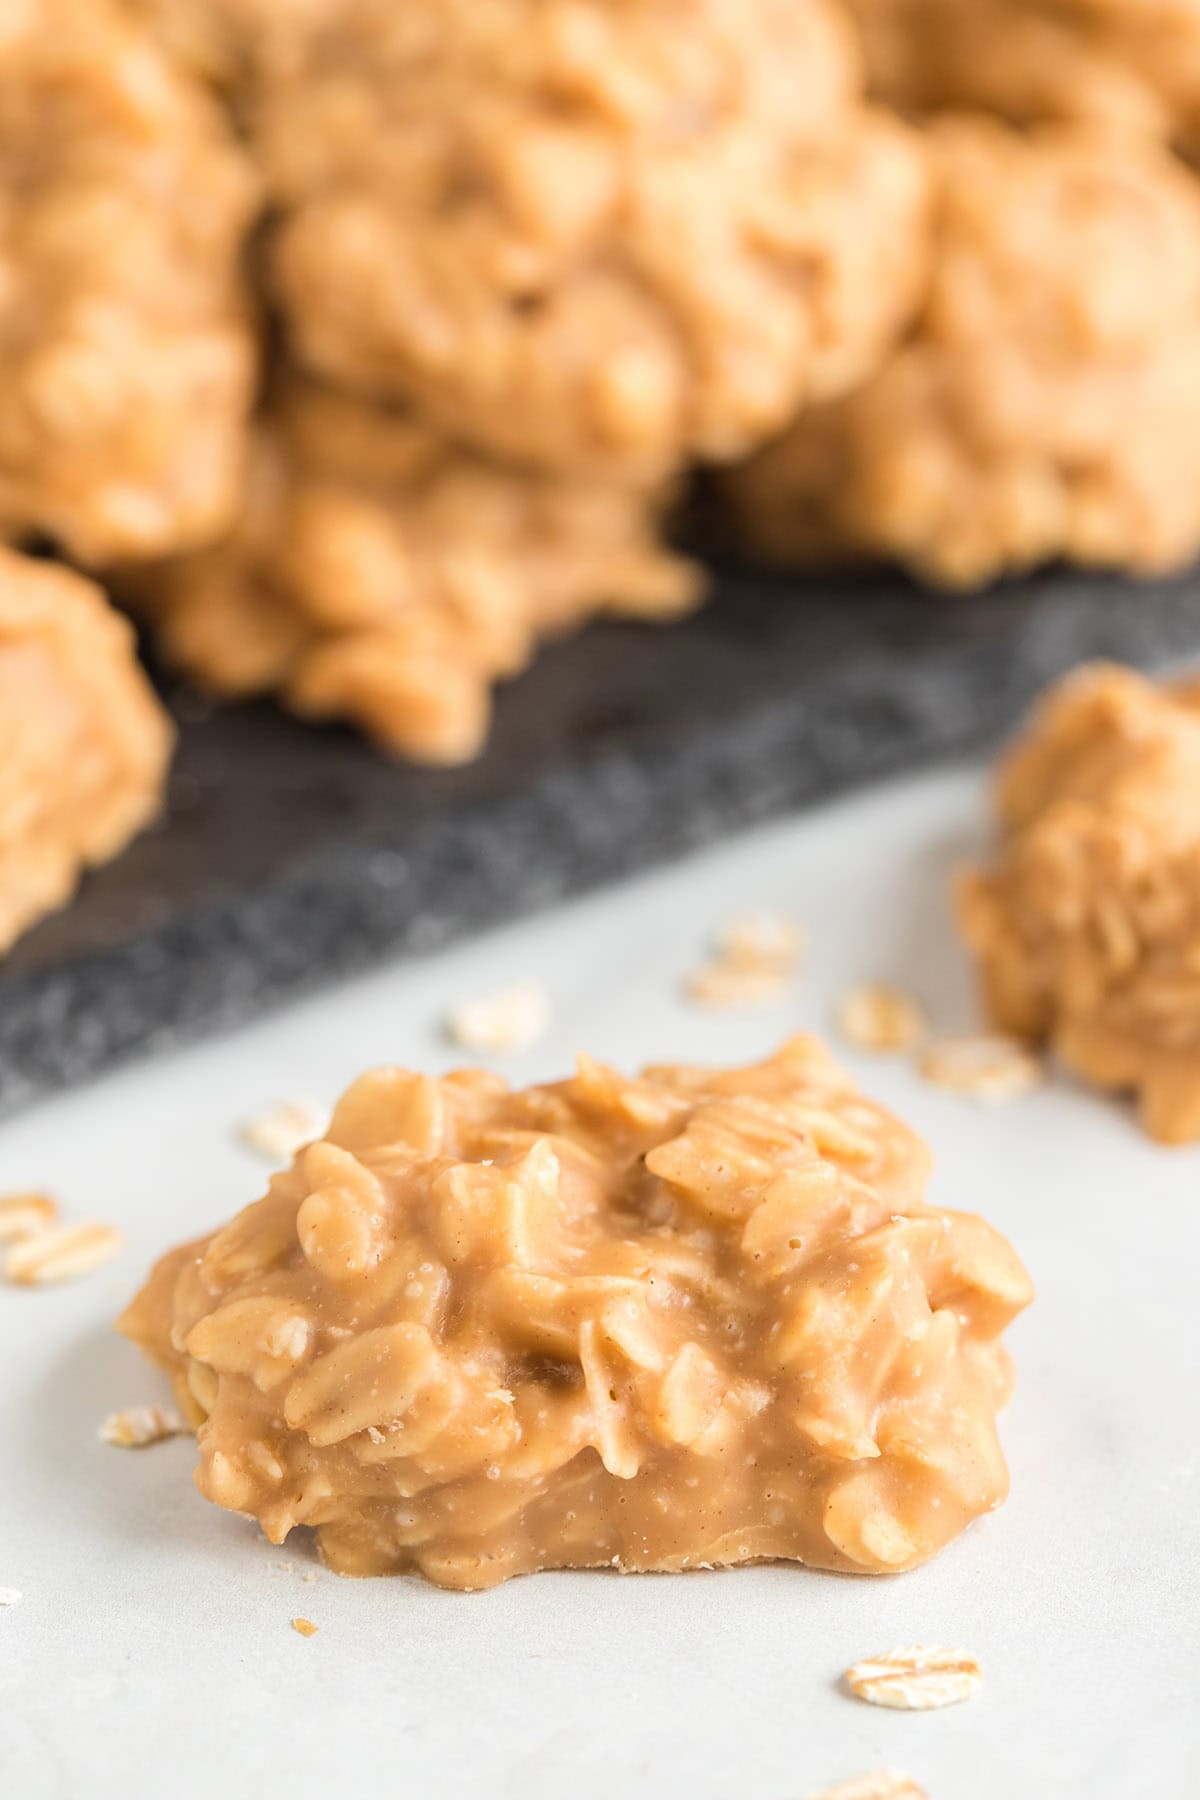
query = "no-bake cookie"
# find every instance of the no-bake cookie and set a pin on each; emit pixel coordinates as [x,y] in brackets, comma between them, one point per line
[127,361]
[1130,64]
[688,1319]
[380,575]
[1086,927]
[583,233]
[83,742]
[1047,402]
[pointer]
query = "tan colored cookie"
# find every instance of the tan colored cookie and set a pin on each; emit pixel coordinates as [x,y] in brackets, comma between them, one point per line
[587,234]
[83,742]
[1086,926]
[127,363]
[380,575]
[1046,403]
[1131,64]
[700,1317]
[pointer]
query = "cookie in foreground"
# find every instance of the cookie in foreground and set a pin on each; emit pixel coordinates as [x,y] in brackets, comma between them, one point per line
[693,1318]
[85,742]
[1086,924]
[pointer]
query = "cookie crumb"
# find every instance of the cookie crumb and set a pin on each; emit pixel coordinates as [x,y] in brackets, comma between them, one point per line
[10,1596]
[280,1130]
[305,1627]
[916,1678]
[503,1023]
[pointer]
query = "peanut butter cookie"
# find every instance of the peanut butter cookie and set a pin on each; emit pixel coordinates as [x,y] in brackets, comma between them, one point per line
[695,1318]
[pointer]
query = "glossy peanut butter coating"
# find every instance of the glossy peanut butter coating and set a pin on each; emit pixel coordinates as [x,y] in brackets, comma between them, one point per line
[1086,925]
[695,1318]
[83,741]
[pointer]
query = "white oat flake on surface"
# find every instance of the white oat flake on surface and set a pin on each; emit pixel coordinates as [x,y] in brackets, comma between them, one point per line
[761,940]
[10,1596]
[916,1678]
[280,1130]
[23,1215]
[878,1784]
[135,1427]
[61,1253]
[501,1023]
[878,1017]
[983,1066]
[755,958]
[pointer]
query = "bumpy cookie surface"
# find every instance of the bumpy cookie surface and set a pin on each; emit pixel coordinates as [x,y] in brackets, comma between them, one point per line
[1047,401]
[126,356]
[1131,64]
[380,575]
[688,1319]
[611,234]
[83,742]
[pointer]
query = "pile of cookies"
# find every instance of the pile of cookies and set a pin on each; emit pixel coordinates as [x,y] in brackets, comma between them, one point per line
[360,347]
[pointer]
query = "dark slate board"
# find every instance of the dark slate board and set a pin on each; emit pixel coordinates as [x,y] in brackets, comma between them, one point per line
[292,855]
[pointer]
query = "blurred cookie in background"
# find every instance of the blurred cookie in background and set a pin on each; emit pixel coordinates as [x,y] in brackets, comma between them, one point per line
[127,354]
[84,744]
[1047,401]
[580,235]
[379,574]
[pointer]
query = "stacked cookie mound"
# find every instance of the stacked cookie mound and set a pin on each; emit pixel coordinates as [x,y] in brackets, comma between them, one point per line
[361,348]
[529,261]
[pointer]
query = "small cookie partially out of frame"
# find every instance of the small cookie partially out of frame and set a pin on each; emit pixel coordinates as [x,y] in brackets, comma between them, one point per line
[84,744]
[1086,927]
[694,1318]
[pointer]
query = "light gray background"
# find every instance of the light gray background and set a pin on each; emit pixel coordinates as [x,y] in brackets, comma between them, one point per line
[152,1654]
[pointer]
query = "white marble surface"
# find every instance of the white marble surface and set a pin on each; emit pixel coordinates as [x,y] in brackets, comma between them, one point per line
[151,1653]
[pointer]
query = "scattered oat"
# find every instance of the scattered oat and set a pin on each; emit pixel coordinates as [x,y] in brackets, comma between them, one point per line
[724,984]
[879,1784]
[61,1254]
[876,1017]
[137,1426]
[916,1678]
[278,1131]
[510,1020]
[10,1596]
[305,1627]
[22,1215]
[760,940]
[756,956]
[985,1067]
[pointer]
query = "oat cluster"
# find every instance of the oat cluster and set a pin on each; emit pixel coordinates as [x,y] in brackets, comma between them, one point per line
[1086,925]
[83,742]
[1046,403]
[693,1318]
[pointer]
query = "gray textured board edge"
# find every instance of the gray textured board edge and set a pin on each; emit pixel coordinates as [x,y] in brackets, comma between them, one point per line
[570,830]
